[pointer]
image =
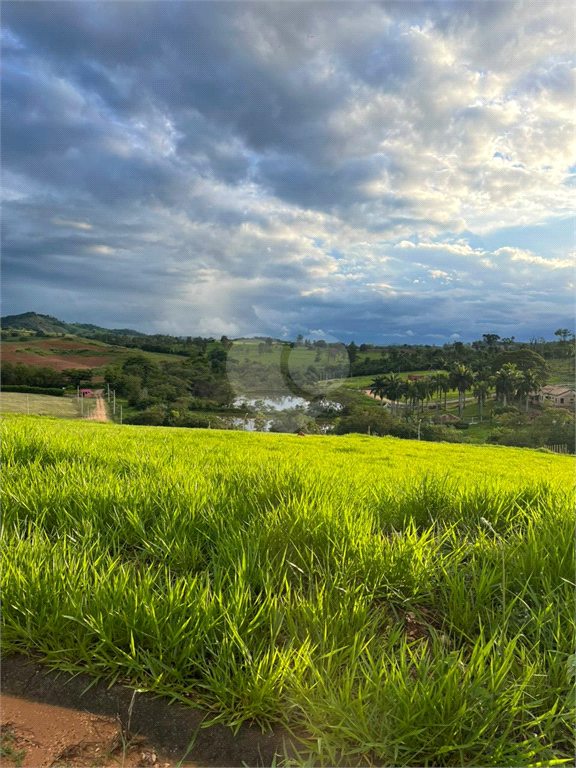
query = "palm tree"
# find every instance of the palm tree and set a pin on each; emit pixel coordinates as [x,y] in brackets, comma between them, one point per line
[481,389]
[394,388]
[421,390]
[378,388]
[508,379]
[429,390]
[531,381]
[435,389]
[461,377]
[443,384]
[410,394]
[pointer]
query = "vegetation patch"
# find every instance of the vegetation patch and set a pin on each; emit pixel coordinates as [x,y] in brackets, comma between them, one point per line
[402,603]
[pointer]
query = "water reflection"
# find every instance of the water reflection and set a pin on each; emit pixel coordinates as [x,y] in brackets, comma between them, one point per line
[281,403]
[282,413]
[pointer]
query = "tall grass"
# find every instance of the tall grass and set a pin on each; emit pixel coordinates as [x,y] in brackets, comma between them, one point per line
[403,604]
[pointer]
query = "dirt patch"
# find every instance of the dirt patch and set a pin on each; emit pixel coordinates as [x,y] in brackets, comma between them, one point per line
[53,361]
[171,728]
[420,625]
[44,736]
[99,412]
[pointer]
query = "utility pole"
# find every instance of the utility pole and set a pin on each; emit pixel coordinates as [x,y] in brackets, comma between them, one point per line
[78,393]
[114,401]
[419,422]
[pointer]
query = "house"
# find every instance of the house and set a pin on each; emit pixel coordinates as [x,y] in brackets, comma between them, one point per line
[414,377]
[86,393]
[561,396]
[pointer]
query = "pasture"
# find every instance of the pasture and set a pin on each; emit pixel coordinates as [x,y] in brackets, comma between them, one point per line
[40,405]
[394,602]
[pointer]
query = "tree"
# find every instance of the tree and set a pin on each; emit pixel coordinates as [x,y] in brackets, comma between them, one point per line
[394,388]
[421,390]
[480,390]
[462,378]
[352,352]
[491,340]
[410,394]
[524,359]
[77,376]
[443,385]
[565,337]
[378,388]
[260,422]
[507,381]
[531,382]
[563,333]
[436,381]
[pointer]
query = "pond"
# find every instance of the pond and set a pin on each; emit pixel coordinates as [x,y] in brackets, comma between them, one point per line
[270,403]
[282,410]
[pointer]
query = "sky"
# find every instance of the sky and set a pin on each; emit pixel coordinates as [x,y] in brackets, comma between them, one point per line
[395,172]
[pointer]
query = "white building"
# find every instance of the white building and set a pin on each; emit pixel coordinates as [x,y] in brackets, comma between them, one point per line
[560,396]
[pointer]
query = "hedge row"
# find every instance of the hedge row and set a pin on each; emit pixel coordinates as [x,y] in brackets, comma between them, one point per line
[57,392]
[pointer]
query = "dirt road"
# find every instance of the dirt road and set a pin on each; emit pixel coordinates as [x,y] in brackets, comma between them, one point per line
[98,410]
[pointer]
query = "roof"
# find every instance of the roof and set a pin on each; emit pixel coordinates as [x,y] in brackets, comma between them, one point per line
[555,390]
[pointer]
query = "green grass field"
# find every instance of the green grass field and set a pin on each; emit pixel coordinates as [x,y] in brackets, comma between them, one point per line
[401,603]
[40,405]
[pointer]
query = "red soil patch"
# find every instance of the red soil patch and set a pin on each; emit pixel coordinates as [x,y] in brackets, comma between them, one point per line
[53,361]
[38,735]
[50,344]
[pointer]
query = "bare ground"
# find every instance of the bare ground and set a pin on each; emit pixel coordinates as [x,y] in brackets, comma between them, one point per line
[68,717]
[36,735]
[98,410]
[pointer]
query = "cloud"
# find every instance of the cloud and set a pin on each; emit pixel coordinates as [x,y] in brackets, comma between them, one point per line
[265,166]
[74,224]
[516,254]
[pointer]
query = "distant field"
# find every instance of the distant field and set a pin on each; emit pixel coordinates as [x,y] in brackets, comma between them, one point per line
[402,603]
[60,353]
[40,405]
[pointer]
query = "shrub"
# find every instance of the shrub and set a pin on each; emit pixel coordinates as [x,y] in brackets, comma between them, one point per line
[55,391]
[152,417]
[498,409]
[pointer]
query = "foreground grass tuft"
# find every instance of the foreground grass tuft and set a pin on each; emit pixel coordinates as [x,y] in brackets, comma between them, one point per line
[404,604]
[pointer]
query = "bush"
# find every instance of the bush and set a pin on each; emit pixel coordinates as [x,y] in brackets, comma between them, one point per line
[152,417]
[33,390]
[498,409]
[364,420]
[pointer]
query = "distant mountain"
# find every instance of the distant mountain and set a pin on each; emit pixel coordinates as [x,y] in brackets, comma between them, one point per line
[31,321]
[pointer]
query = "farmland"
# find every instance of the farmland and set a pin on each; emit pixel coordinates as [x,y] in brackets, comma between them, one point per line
[74,352]
[400,603]
[40,405]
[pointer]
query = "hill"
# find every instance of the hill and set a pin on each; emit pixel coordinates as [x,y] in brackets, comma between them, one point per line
[31,321]
[398,603]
